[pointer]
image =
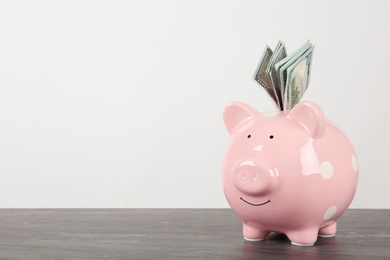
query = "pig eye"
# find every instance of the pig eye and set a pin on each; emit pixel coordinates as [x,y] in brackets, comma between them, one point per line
[249,136]
[271,137]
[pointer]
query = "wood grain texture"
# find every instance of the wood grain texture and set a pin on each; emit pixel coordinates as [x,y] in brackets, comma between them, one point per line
[176,234]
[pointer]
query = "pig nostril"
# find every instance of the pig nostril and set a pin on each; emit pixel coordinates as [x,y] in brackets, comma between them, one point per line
[249,176]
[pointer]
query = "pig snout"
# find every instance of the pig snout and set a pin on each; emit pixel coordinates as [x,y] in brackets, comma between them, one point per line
[255,177]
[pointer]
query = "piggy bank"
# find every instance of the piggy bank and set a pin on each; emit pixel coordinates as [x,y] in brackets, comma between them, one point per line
[292,172]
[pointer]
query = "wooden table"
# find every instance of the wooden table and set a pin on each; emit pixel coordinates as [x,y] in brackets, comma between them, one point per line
[176,234]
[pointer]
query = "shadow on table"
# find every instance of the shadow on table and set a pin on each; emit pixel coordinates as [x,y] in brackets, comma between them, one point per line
[278,246]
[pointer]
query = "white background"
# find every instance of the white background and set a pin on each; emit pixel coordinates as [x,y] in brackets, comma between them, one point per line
[119,104]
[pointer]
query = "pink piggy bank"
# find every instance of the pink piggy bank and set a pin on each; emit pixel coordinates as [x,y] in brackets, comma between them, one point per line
[292,172]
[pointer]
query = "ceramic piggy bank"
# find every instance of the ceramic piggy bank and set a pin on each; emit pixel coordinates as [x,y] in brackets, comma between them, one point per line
[292,172]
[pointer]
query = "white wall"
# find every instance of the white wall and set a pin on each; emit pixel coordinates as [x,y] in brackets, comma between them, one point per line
[119,104]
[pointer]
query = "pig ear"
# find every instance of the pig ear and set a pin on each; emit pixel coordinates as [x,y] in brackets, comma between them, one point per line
[236,113]
[310,115]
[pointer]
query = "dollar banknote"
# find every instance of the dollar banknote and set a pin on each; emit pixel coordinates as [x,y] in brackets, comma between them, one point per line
[285,77]
[279,54]
[281,66]
[262,77]
[297,79]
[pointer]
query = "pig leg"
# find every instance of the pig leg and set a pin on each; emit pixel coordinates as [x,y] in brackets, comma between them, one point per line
[304,237]
[329,230]
[254,231]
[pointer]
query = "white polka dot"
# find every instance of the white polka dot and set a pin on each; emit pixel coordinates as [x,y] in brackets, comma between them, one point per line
[330,212]
[355,163]
[326,169]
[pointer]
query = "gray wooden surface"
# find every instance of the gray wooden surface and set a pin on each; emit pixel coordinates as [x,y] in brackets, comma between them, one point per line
[175,234]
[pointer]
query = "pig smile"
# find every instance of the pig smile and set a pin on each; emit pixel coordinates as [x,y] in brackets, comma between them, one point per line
[261,204]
